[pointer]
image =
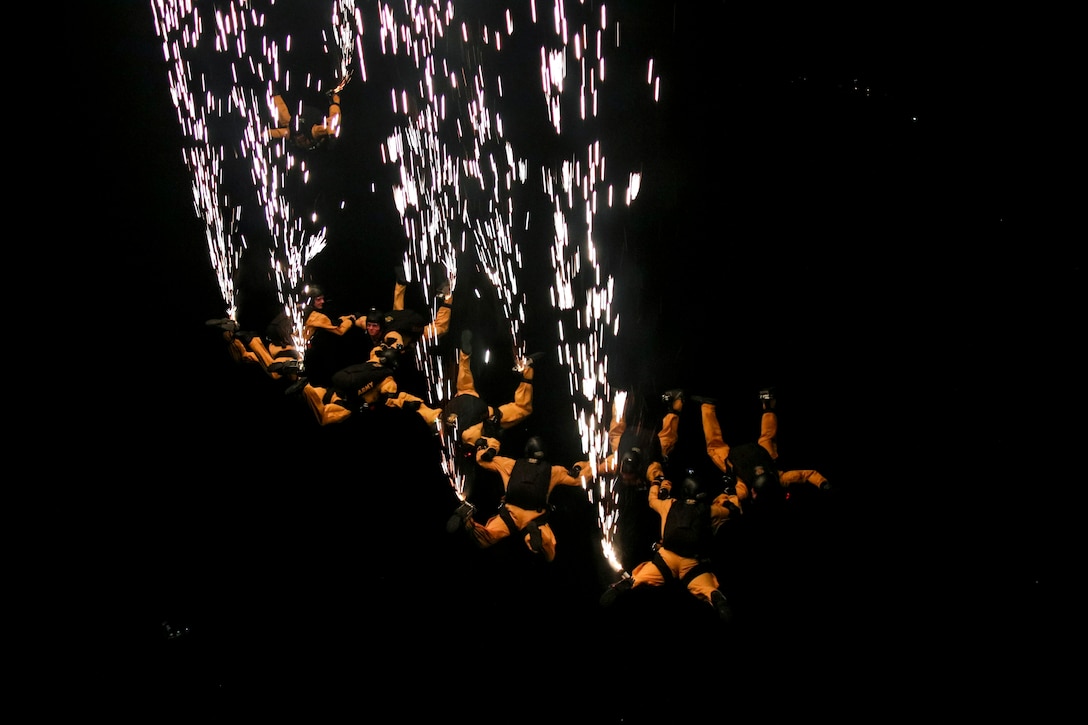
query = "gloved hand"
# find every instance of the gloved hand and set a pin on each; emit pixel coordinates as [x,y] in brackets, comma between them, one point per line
[412,405]
[575,471]
[493,424]
[729,482]
[488,453]
[825,486]
[664,489]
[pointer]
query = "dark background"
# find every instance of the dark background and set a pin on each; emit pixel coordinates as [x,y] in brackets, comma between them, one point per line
[856,208]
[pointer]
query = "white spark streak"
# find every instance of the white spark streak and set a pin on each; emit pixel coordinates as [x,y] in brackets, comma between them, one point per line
[270,163]
[456,170]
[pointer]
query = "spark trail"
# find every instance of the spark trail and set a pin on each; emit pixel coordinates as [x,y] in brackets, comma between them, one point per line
[455,170]
[180,30]
[463,185]
[582,293]
[256,64]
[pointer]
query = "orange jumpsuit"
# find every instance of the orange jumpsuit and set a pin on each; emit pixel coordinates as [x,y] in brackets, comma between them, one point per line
[666,436]
[703,585]
[512,413]
[718,450]
[496,529]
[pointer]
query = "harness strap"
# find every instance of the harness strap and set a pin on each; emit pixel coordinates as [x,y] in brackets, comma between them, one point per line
[666,572]
[507,519]
[701,568]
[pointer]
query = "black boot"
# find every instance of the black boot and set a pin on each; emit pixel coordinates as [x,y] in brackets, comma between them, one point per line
[616,590]
[223,323]
[721,604]
[461,519]
[296,387]
[286,367]
[674,399]
[398,274]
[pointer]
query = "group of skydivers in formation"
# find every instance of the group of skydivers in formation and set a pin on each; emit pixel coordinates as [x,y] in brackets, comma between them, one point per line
[351,364]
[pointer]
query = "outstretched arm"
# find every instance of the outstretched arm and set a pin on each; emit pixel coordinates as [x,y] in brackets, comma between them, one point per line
[788,478]
[563,477]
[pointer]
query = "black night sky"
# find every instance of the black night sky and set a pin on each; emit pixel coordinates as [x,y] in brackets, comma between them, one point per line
[848,205]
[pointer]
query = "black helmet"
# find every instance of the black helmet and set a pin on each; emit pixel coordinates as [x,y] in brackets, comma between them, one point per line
[534,448]
[691,487]
[389,357]
[375,315]
[754,466]
[765,482]
[313,291]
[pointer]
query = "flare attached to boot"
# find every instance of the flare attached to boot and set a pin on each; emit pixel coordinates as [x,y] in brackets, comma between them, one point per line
[613,592]
[461,519]
[721,604]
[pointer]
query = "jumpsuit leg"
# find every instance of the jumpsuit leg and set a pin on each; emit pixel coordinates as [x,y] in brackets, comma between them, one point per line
[441,323]
[429,415]
[332,121]
[466,385]
[670,427]
[283,114]
[326,414]
[647,574]
[617,428]
[768,433]
[547,542]
[491,533]
[239,352]
[702,586]
[263,355]
[522,407]
[669,433]
[465,382]
[314,397]
[716,448]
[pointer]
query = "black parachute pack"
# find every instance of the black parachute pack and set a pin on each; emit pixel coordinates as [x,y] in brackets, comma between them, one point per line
[469,409]
[409,323]
[355,381]
[687,529]
[529,483]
